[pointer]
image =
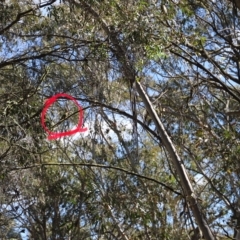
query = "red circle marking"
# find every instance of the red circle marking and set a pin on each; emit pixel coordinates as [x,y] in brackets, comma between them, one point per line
[55,135]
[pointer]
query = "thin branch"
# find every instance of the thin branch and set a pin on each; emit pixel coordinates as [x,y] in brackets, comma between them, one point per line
[99,166]
[22,14]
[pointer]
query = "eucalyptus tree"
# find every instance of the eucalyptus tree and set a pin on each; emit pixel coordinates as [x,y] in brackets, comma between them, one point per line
[126,57]
[121,59]
[45,57]
[208,58]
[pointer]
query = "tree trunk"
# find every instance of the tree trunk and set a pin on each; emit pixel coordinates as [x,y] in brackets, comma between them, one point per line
[236,3]
[178,164]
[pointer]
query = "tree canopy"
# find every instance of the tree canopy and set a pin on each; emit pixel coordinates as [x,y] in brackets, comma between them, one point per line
[159,85]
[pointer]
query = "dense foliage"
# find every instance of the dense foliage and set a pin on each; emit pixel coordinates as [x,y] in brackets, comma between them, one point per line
[117,181]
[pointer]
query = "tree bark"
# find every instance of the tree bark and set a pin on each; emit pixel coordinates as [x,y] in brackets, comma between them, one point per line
[236,3]
[178,164]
